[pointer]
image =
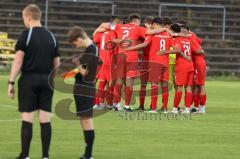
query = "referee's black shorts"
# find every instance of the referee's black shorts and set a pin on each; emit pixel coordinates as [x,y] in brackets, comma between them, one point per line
[34,93]
[84,96]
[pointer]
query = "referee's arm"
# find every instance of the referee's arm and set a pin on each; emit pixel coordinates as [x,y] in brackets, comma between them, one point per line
[56,59]
[56,63]
[16,67]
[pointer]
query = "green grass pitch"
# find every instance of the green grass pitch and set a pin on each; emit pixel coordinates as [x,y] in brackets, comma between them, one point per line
[215,135]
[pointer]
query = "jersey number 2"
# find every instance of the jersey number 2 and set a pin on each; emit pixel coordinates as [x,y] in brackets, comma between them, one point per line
[125,34]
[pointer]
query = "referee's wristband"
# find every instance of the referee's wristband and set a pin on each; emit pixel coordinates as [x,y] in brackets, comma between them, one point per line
[11,82]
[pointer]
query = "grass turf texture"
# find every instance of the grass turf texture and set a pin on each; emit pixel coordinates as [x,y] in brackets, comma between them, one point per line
[211,136]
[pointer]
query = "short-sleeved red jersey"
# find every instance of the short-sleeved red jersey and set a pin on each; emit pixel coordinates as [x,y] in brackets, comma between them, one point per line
[199,40]
[160,42]
[101,39]
[198,59]
[129,32]
[187,48]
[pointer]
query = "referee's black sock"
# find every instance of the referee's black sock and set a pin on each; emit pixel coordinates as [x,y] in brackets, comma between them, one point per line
[89,139]
[46,133]
[26,137]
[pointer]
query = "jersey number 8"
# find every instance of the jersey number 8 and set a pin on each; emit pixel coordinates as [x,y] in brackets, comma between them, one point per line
[162,45]
[125,34]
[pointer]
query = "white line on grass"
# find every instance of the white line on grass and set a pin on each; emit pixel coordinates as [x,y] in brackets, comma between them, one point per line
[14,107]
[8,106]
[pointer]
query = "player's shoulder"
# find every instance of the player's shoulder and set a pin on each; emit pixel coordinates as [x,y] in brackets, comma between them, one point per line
[192,33]
[98,34]
[141,28]
[110,32]
[182,40]
[165,33]
[149,36]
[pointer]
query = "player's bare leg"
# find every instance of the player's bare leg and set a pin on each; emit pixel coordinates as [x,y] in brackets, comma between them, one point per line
[28,117]
[86,123]
[202,100]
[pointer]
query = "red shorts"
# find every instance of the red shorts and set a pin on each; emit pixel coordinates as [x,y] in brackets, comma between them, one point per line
[105,73]
[126,68]
[183,77]
[144,71]
[199,74]
[158,72]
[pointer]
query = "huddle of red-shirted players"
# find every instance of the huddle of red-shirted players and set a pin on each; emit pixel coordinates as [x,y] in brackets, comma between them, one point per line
[119,44]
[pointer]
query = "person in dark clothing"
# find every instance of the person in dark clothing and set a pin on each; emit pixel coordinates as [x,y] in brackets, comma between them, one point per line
[84,87]
[36,56]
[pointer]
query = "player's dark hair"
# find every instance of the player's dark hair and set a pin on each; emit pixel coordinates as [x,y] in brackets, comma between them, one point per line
[185,27]
[134,16]
[75,33]
[157,20]
[125,20]
[181,21]
[167,21]
[175,28]
[148,20]
[115,17]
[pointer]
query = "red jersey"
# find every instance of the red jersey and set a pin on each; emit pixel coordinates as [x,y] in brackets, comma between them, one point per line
[145,50]
[187,48]
[101,39]
[199,40]
[160,42]
[129,32]
[198,59]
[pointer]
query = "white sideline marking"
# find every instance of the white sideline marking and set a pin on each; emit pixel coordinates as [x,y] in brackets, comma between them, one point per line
[8,120]
[13,107]
[8,106]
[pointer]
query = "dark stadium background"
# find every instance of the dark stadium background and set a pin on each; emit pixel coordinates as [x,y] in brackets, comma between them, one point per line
[222,55]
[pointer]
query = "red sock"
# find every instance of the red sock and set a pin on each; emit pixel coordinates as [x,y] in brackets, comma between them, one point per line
[196,99]
[177,99]
[203,99]
[165,96]
[96,100]
[142,94]
[101,91]
[189,98]
[117,93]
[128,95]
[109,96]
[154,97]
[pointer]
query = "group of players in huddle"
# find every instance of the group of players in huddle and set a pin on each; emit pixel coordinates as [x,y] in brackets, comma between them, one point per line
[161,41]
